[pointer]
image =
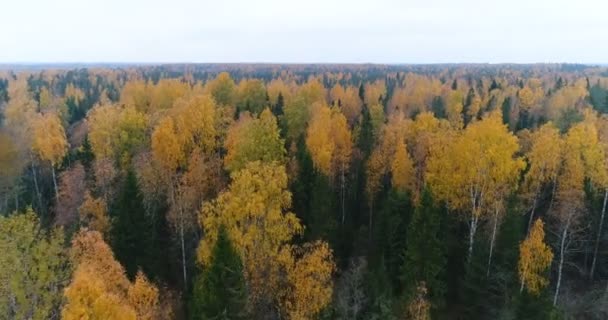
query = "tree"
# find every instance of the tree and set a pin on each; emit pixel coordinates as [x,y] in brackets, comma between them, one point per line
[351,297]
[116,132]
[582,158]
[419,308]
[535,258]
[544,158]
[251,96]
[309,275]
[253,139]
[71,196]
[425,256]
[329,141]
[222,88]
[93,214]
[50,142]
[253,211]
[99,288]
[220,290]
[132,230]
[469,172]
[33,267]
[10,169]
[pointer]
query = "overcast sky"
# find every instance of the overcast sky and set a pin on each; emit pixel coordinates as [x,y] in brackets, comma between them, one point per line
[378,31]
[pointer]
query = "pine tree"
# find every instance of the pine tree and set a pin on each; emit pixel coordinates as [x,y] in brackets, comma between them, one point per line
[362,92]
[425,259]
[219,291]
[86,156]
[133,232]
[277,109]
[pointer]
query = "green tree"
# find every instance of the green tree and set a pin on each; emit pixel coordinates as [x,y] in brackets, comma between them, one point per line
[219,291]
[33,268]
[133,231]
[425,257]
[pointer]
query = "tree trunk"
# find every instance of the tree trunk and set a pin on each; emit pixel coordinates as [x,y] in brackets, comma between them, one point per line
[552,195]
[342,186]
[532,213]
[181,231]
[561,263]
[599,235]
[36,183]
[55,184]
[371,214]
[472,230]
[493,239]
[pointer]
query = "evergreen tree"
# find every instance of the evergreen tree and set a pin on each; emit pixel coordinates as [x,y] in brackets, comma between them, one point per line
[390,235]
[85,154]
[506,111]
[455,85]
[425,257]
[438,107]
[362,92]
[133,232]
[219,291]
[277,109]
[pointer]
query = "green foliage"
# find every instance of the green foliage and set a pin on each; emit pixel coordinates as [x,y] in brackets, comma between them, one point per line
[133,231]
[391,233]
[33,268]
[220,291]
[425,257]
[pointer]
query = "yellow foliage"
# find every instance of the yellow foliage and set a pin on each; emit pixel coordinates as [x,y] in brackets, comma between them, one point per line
[99,288]
[93,213]
[534,259]
[253,139]
[309,273]
[49,140]
[166,147]
[329,140]
[402,169]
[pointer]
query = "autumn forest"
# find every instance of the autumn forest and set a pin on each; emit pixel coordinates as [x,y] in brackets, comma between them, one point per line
[293,192]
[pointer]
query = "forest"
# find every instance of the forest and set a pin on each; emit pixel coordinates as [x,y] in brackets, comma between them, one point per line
[295,191]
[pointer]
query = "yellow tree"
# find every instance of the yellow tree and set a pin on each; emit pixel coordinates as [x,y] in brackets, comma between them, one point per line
[50,142]
[570,195]
[93,214]
[600,179]
[534,259]
[309,280]
[251,96]
[10,168]
[469,172]
[419,308]
[222,88]
[347,99]
[253,139]
[544,160]
[389,156]
[116,132]
[254,212]
[99,288]
[425,134]
[329,141]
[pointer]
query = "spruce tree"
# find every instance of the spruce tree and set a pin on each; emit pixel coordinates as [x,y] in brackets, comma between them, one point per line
[425,257]
[133,231]
[219,291]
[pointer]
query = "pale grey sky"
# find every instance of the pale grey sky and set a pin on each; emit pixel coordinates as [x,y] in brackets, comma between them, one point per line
[377,31]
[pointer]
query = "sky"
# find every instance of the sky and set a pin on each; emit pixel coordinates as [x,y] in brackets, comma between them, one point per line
[305,31]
